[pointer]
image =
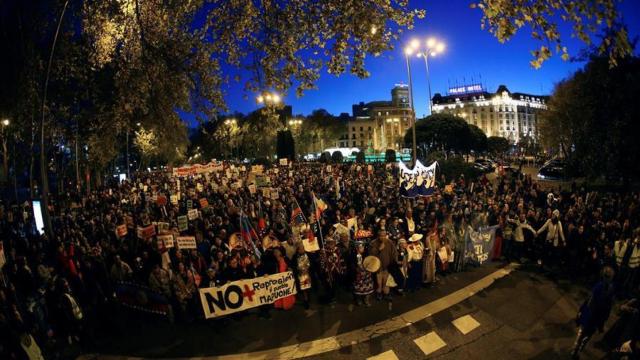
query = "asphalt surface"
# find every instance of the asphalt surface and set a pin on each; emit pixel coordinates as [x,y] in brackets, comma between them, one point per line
[525,315]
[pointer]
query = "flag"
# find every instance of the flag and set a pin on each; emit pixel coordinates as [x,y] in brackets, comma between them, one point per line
[297,217]
[248,234]
[320,206]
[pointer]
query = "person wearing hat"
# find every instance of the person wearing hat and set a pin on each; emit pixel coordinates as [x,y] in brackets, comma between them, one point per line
[363,279]
[555,239]
[594,312]
[415,252]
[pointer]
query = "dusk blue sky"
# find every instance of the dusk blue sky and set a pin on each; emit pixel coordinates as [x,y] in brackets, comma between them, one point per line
[470,53]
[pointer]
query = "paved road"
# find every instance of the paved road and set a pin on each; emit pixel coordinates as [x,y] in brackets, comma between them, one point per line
[521,315]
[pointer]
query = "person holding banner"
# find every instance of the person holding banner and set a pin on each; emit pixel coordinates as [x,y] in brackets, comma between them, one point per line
[385,251]
[285,303]
[302,269]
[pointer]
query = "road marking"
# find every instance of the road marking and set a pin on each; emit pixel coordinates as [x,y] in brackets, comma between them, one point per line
[430,343]
[387,355]
[465,324]
[364,334]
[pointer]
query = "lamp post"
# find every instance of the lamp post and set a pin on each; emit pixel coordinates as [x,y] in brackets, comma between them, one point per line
[408,51]
[433,47]
[5,155]
[230,126]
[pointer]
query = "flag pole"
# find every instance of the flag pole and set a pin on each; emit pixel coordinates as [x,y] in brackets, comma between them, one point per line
[315,207]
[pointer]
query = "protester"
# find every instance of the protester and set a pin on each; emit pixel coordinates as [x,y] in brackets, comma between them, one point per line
[99,244]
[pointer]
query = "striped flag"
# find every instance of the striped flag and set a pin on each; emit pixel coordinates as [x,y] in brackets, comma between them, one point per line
[248,234]
[319,205]
[297,217]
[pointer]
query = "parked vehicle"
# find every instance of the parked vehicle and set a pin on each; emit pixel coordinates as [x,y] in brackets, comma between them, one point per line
[552,170]
[488,164]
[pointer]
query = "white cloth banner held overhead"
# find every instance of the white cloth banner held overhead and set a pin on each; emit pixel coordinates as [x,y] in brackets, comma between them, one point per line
[419,181]
[246,294]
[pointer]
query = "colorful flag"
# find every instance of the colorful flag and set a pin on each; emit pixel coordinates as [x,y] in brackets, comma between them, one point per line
[248,234]
[320,206]
[297,217]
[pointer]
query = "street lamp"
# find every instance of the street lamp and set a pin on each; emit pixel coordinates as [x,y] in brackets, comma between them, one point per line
[408,51]
[433,47]
[269,98]
[295,122]
[6,122]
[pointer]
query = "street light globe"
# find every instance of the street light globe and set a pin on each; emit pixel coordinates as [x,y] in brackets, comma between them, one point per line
[440,47]
[275,98]
[431,42]
[408,50]
[415,44]
[260,99]
[5,122]
[267,97]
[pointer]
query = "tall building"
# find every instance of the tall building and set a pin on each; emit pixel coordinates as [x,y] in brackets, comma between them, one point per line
[503,113]
[380,125]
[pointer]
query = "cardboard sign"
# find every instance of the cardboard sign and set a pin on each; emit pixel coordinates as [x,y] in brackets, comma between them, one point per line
[183,223]
[252,189]
[257,169]
[186,242]
[189,204]
[274,194]
[162,226]
[174,199]
[145,233]
[204,203]
[284,162]
[199,187]
[192,214]
[121,230]
[165,241]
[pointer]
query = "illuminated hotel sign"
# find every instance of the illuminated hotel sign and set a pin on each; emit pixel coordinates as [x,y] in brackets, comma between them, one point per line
[466,89]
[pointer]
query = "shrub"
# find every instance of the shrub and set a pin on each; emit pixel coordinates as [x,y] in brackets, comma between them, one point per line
[337,157]
[360,157]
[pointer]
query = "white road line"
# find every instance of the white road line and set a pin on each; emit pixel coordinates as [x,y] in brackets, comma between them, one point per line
[336,342]
[465,324]
[430,343]
[387,355]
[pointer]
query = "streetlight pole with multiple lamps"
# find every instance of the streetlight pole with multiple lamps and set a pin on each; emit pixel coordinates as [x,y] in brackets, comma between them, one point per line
[432,47]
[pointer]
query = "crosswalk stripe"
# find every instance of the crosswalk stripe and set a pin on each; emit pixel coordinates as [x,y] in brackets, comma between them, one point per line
[387,355]
[430,343]
[465,324]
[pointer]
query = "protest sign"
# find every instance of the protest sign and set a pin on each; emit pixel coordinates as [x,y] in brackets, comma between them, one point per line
[252,188]
[199,187]
[165,241]
[257,169]
[189,204]
[479,244]
[274,194]
[174,199]
[121,230]
[262,181]
[162,226]
[183,223]
[419,181]
[246,294]
[284,162]
[212,166]
[192,214]
[146,232]
[186,242]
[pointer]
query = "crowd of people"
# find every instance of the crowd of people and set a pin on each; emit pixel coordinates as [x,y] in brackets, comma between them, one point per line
[57,289]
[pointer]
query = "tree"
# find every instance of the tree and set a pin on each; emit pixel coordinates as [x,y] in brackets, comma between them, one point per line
[390,156]
[477,139]
[592,116]
[360,158]
[497,145]
[147,143]
[336,157]
[325,157]
[586,17]
[285,146]
[442,131]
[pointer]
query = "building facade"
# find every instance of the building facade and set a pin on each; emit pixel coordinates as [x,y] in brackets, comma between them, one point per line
[380,125]
[503,113]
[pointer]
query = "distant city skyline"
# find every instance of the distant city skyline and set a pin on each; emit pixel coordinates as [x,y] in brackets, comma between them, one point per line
[470,54]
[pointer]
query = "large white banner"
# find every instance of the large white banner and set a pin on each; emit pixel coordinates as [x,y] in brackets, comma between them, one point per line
[246,294]
[419,181]
[198,169]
